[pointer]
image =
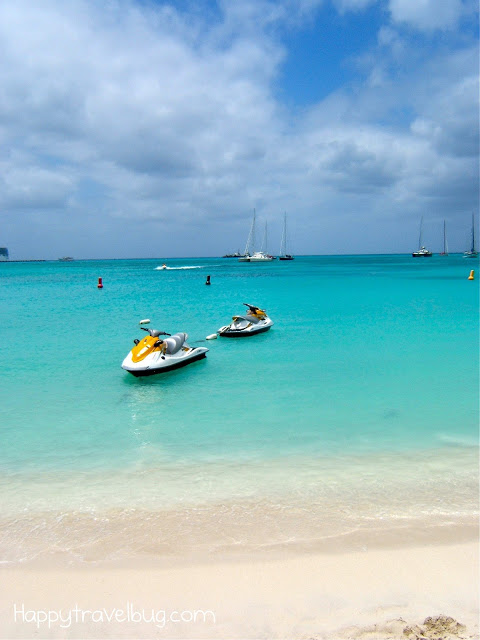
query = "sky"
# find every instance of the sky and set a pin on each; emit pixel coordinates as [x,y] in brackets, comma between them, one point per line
[151,129]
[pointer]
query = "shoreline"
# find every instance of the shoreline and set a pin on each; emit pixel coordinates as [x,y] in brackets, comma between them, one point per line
[317,505]
[217,533]
[389,540]
[291,595]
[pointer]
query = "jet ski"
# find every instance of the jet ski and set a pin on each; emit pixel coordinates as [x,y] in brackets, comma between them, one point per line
[254,321]
[156,355]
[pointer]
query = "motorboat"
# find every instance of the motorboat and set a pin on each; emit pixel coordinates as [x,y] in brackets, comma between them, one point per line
[254,321]
[154,354]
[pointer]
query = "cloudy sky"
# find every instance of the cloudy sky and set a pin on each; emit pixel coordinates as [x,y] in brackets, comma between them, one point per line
[143,128]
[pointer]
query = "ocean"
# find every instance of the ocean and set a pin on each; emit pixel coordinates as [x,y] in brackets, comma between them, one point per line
[355,417]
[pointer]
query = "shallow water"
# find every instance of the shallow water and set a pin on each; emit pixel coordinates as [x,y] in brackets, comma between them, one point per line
[362,399]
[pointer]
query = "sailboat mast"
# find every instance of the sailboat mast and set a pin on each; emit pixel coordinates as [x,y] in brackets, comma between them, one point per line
[251,238]
[283,245]
[473,232]
[420,245]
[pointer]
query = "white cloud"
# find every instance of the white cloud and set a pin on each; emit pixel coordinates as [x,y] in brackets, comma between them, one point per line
[352,5]
[34,188]
[427,15]
[452,122]
[423,15]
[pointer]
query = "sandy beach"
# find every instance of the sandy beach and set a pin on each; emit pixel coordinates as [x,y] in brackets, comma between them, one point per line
[374,593]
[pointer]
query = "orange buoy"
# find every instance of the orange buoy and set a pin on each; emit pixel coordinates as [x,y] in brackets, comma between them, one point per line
[472,275]
[100,284]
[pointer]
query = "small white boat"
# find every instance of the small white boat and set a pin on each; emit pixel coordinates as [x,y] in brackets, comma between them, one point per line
[254,321]
[155,355]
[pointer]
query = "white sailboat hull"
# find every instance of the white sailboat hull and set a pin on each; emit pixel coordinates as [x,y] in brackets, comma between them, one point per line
[258,256]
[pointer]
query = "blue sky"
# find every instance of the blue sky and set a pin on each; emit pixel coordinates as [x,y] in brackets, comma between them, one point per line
[321,56]
[152,129]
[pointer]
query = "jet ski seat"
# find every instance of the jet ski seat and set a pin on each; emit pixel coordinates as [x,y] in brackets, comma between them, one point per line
[174,343]
[242,321]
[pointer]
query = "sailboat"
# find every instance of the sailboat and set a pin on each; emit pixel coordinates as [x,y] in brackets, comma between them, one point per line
[283,245]
[422,251]
[445,245]
[472,252]
[250,255]
[250,243]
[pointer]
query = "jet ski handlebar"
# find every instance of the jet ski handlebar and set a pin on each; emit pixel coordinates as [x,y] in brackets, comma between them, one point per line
[255,311]
[154,333]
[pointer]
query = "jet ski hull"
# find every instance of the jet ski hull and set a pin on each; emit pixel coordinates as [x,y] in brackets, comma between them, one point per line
[242,333]
[243,326]
[162,365]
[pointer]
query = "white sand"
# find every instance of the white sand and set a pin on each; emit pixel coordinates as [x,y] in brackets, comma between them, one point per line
[321,595]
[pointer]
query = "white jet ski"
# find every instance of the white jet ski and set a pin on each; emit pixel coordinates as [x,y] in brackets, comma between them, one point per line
[254,321]
[154,355]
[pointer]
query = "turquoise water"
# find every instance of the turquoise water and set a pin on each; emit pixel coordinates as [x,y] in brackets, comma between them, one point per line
[372,362]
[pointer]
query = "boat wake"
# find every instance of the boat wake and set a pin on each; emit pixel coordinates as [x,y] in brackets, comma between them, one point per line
[175,268]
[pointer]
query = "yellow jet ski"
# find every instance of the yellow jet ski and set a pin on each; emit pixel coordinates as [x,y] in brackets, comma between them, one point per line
[156,355]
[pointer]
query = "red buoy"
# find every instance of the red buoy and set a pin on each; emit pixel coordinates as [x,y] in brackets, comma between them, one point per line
[100,284]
